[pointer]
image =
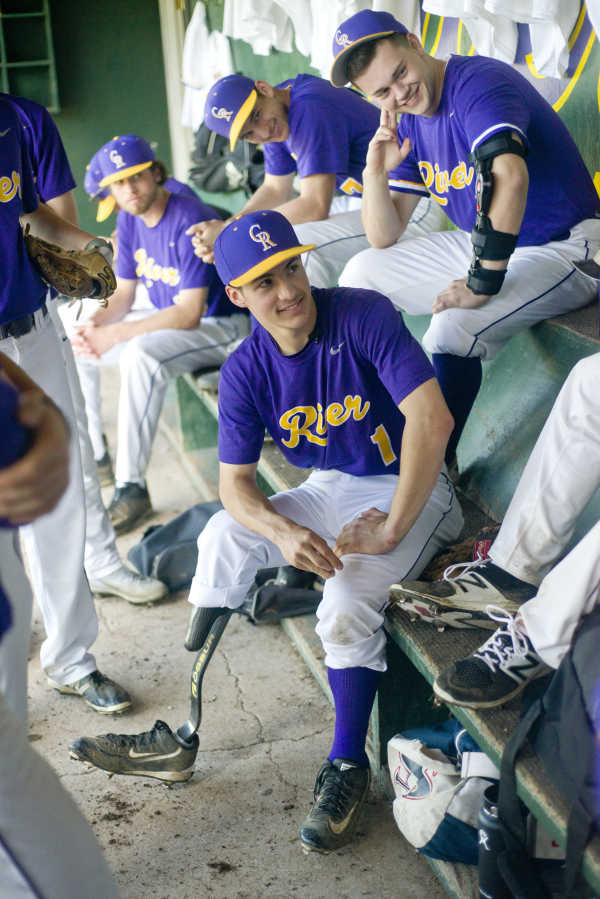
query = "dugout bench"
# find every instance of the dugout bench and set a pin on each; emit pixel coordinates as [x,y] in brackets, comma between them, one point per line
[493,451]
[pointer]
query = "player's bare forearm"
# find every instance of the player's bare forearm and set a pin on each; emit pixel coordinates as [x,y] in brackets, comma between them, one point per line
[426,432]
[314,202]
[380,218]
[65,206]
[273,192]
[49,226]
[118,305]
[249,506]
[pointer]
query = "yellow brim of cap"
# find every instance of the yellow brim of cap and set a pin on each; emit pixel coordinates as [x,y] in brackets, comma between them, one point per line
[105,207]
[270,262]
[125,173]
[338,59]
[243,113]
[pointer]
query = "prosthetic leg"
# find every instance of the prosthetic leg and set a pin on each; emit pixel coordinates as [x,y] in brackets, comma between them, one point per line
[205,629]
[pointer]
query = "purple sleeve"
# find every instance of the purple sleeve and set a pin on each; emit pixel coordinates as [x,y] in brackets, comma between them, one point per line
[400,361]
[321,139]
[192,271]
[483,108]
[125,265]
[53,174]
[241,429]
[278,160]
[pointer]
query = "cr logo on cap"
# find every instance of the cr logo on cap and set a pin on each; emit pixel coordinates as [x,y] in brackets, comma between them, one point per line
[221,113]
[342,39]
[262,237]
[117,159]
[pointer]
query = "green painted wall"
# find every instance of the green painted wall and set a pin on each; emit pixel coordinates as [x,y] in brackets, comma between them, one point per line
[111,81]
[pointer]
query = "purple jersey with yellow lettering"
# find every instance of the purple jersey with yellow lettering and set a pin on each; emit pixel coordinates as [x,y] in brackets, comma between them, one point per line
[22,291]
[163,256]
[330,131]
[48,158]
[480,97]
[335,403]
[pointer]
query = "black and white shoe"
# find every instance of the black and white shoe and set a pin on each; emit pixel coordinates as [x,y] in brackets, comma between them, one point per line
[156,753]
[341,789]
[494,673]
[102,694]
[460,599]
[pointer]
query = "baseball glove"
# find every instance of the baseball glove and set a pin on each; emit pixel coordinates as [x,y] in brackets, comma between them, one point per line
[74,273]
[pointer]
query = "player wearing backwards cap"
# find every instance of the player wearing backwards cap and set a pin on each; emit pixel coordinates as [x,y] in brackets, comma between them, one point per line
[341,386]
[55,543]
[170,339]
[468,122]
[306,126]
[54,184]
[47,848]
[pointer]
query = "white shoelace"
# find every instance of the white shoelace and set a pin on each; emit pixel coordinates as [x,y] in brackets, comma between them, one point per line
[466,568]
[493,646]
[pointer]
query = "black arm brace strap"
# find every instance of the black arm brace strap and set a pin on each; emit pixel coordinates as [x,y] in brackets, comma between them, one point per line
[488,243]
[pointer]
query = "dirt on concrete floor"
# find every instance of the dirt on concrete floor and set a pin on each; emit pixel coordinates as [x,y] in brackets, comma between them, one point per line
[232,831]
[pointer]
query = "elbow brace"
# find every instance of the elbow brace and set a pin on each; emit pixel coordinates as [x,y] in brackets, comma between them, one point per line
[487,242]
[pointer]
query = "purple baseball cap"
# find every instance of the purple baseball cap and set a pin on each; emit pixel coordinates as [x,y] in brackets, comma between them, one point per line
[228,104]
[254,243]
[358,29]
[124,156]
[91,184]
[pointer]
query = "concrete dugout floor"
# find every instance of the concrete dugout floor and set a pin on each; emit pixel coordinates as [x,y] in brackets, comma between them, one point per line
[231,832]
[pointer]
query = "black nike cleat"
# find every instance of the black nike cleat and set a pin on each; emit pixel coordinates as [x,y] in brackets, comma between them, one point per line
[156,753]
[341,789]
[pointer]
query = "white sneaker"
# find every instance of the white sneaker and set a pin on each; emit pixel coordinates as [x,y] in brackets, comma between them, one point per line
[129,585]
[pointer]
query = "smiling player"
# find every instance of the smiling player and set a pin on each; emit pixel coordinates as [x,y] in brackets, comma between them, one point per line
[309,128]
[477,137]
[338,382]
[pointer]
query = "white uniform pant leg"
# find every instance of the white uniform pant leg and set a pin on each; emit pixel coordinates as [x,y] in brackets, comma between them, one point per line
[568,592]
[342,236]
[55,542]
[352,610]
[101,556]
[541,282]
[148,363]
[561,476]
[47,848]
[14,646]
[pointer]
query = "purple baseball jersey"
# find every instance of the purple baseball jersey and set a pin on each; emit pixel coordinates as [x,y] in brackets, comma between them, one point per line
[163,256]
[480,97]
[22,291]
[335,403]
[48,158]
[330,131]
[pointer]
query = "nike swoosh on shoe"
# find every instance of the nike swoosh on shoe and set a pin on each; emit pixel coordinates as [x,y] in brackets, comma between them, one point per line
[339,828]
[138,755]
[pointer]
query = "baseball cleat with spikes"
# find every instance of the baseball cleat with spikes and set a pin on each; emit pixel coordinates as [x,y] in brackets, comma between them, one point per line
[497,671]
[156,753]
[341,789]
[460,599]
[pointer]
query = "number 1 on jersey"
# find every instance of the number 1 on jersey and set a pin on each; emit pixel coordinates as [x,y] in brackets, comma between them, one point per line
[382,440]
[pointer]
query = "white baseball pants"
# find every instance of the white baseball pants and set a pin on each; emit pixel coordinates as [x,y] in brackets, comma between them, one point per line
[541,282]
[55,542]
[147,363]
[101,556]
[342,236]
[351,613]
[47,848]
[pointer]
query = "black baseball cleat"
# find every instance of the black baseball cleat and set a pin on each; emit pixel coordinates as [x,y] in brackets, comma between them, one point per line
[341,789]
[494,673]
[102,694]
[460,599]
[156,753]
[130,503]
[105,471]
